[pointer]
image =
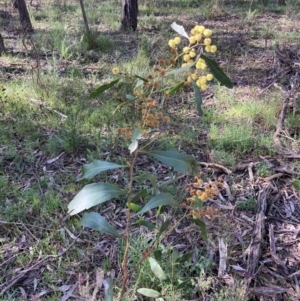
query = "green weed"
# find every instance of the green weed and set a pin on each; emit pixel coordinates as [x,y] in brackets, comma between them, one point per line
[247,205]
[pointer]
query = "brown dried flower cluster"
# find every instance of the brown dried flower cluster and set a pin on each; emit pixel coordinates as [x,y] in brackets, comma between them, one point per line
[202,191]
[149,118]
[208,212]
[126,132]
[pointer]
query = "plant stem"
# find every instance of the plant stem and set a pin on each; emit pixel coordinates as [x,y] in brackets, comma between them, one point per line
[125,257]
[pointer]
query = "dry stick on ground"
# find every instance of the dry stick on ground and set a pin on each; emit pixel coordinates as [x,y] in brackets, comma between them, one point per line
[218,166]
[273,290]
[273,249]
[258,233]
[250,171]
[280,123]
[223,257]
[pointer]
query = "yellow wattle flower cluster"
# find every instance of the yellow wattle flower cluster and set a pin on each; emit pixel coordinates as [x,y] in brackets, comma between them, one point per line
[200,36]
[198,33]
[115,70]
[176,41]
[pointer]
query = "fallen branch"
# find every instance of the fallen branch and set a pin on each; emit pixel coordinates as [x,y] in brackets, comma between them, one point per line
[258,233]
[273,290]
[218,166]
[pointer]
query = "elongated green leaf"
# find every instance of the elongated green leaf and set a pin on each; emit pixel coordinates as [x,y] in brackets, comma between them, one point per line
[92,195]
[136,135]
[156,269]
[163,228]
[175,255]
[180,70]
[198,202]
[202,226]
[179,161]
[142,78]
[198,98]
[148,292]
[176,88]
[139,83]
[108,290]
[103,88]
[146,224]
[183,284]
[134,140]
[97,222]
[122,105]
[136,198]
[134,207]
[159,200]
[147,176]
[130,97]
[185,257]
[157,255]
[217,72]
[92,169]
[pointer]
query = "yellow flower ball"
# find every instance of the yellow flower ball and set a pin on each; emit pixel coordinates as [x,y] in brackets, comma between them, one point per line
[201,64]
[198,37]
[194,76]
[209,77]
[203,87]
[190,62]
[189,79]
[213,48]
[186,57]
[193,31]
[115,71]
[207,33]
[207,49]
[177,40]
[192,53]
[207,41]
[183,65]
[200,28]
[202,80]
[172,43]
[192,40]
[186,49]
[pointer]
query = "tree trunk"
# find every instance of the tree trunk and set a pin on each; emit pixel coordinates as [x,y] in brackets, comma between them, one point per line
[2,48]
[129,14]
[86,24]
[15,3]
[24,15]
